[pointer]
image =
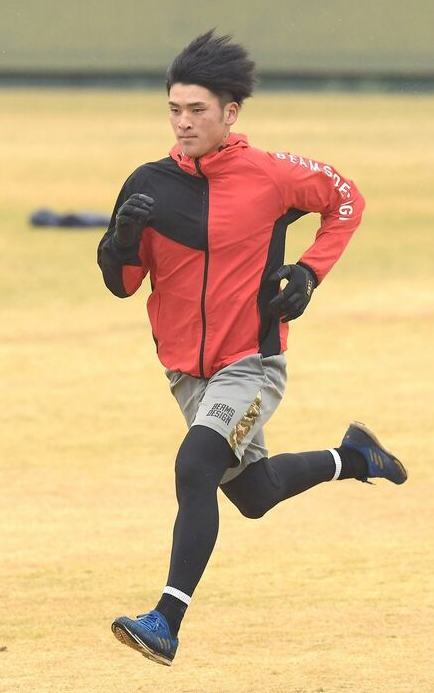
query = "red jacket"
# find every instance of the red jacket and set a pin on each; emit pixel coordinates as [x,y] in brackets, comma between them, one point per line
[217,234]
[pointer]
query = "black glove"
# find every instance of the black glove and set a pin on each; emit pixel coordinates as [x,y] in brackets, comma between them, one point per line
[132,216]
[292,301]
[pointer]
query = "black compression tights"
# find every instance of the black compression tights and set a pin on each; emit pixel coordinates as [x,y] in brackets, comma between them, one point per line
[203,458]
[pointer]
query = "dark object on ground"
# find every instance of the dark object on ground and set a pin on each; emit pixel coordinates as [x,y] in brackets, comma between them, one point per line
[46,217]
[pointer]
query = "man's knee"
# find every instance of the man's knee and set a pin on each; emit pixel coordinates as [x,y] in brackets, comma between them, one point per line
[188,465]
[254,491]
[251,507]
[202,459]
[252,510]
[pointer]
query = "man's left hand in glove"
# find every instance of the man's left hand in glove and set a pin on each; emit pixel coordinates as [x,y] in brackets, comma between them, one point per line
[291,302]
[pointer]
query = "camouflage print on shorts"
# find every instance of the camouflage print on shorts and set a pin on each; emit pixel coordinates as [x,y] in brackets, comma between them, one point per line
[247,421]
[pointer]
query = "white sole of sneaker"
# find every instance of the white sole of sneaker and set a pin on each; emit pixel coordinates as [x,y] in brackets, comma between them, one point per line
[127,638]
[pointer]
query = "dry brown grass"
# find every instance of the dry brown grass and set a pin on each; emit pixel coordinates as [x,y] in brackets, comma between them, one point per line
[333,590]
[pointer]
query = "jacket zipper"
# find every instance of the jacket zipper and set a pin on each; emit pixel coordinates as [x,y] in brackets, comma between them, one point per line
[205,270]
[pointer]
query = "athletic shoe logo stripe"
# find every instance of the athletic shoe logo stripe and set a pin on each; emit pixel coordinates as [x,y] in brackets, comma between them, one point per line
[376,459]
[164,643]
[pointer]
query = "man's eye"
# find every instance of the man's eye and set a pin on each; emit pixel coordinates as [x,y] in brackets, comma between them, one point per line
[198,110]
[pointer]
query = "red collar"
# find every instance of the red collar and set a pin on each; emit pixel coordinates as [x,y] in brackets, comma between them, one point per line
[211,163]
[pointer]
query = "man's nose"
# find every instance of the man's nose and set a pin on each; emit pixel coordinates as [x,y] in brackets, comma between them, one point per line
[184,122]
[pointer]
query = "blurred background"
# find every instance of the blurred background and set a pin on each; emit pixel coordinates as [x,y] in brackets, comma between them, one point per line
[312,43]
[341,578]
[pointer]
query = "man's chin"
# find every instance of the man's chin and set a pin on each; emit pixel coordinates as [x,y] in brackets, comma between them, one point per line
[191,150]
[194,148]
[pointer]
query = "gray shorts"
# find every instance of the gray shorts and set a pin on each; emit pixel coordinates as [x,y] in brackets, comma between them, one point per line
[236,402]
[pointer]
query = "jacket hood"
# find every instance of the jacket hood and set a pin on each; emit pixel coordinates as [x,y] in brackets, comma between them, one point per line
[211,163]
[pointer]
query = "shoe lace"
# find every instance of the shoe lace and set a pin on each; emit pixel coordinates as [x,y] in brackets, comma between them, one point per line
[151,621]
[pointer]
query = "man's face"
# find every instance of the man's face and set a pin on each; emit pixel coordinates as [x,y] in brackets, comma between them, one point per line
[199,121]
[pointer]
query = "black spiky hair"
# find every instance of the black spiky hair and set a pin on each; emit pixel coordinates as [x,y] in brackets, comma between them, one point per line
[213,62]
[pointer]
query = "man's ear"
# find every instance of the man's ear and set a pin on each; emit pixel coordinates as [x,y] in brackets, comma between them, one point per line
[231,112]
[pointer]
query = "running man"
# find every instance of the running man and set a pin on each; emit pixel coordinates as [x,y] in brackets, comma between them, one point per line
[208,224]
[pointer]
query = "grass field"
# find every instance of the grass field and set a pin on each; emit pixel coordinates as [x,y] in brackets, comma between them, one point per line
[332,591]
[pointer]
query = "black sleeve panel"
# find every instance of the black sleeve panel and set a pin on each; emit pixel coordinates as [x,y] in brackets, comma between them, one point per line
[293,214]
[111,256]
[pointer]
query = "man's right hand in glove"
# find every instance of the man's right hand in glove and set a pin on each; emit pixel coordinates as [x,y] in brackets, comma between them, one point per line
[131,218]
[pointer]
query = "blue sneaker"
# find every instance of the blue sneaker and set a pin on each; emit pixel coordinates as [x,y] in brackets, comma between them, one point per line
[149,634]
[381,462]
